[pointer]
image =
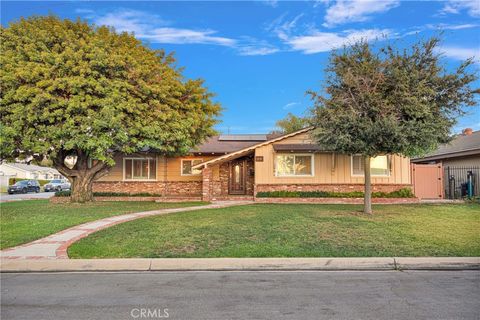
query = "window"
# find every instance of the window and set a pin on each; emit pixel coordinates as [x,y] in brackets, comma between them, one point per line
[294,165]
[140,169]
[187,167]
[379,166]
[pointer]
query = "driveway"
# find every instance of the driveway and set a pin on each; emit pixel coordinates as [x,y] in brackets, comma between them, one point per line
[242,295]
[5,197]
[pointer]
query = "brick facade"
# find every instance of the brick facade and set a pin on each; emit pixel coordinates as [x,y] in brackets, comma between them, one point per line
[328,187]
[170,188]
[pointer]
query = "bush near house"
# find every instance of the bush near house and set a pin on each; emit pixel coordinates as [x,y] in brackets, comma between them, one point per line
[402,193]
[111,194]
[12,181]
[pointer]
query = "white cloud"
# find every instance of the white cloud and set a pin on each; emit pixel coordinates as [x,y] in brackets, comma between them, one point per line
[185,36]
[124,20]
[271,3]
[290,105]
[256,51]
[326,41]
[152,28]
[345,11]
[458,53]
[444,26]
[456,6]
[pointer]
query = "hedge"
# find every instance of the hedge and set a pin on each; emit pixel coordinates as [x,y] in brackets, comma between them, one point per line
[111,194]
[41,182]
[402,193]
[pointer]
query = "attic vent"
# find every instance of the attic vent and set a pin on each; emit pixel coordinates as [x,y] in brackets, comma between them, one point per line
[243,137]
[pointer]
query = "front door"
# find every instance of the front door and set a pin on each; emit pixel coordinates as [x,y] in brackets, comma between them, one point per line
[237,177]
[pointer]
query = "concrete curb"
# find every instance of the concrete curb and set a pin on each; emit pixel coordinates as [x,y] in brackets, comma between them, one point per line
[239,264]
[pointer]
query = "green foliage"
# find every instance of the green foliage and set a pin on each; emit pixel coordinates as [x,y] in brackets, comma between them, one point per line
[402,193]
[70,88]
[14,180]
[291,123]
[390,100]
[111,194]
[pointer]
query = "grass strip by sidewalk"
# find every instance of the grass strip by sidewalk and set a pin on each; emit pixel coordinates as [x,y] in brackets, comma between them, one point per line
[287,230]
[25,221]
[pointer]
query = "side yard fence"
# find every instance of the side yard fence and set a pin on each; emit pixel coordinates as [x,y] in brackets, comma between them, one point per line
[460,182]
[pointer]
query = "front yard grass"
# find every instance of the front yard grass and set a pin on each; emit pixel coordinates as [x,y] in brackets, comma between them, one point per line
[287,230]
[25,221]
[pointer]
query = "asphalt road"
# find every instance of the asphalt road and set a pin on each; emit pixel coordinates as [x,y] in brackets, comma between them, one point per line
[4,197]
[242,295]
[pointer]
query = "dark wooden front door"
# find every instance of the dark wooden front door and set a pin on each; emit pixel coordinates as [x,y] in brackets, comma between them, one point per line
[237,177]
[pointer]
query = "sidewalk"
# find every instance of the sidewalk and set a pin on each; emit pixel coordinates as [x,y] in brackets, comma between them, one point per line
[241,264]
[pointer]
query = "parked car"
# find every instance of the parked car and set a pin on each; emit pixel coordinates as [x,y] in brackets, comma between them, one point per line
[57,185]
[24,186]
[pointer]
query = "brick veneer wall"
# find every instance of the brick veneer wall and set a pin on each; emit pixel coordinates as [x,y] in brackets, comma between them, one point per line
[328,187]
[181,188]
[219,187]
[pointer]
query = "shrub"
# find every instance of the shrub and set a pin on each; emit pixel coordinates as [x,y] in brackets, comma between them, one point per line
[112,194]
[402,193]
[62,193]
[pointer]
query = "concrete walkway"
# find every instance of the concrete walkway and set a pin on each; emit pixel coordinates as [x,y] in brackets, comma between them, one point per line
[55,246]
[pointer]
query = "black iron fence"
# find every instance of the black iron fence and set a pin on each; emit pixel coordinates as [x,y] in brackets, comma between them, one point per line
[461,182]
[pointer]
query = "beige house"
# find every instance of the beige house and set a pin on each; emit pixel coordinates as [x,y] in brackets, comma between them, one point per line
[229,166]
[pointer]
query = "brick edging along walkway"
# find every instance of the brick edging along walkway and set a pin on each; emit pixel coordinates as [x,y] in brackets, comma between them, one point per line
[55,246]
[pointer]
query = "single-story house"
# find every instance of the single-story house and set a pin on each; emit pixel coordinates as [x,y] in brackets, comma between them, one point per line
[463,150]
[236,166]
[28,171]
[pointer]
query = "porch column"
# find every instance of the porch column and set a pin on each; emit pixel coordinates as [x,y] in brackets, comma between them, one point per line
[207,177]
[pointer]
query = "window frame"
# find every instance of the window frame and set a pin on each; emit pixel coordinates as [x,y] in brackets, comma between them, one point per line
[389,167]
[190,174]
[312,170]
[148,174]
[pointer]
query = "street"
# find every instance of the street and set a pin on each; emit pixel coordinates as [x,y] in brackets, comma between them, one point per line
[242,295]
[4,197]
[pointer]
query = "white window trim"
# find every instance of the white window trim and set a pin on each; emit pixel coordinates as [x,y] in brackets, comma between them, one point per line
[189,174]
[140,158]
[373,175]
[312,173]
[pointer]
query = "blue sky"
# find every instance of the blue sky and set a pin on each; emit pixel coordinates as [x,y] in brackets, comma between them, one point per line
[260,57]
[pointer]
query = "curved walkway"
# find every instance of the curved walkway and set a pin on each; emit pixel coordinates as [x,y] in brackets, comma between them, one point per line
[55,246]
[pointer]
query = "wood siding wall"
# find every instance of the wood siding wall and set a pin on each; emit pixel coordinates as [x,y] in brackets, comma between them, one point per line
[326,169]
[172,166]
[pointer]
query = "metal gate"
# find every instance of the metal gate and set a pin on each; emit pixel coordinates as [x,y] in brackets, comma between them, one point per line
[427,181]
[461,182]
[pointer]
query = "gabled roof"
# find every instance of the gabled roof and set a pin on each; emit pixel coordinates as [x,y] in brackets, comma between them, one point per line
[249,149]
[461,145]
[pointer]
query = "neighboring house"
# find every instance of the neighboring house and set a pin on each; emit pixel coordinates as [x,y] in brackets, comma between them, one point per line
[459,161]
[463,150]
[28,171]
[226,166]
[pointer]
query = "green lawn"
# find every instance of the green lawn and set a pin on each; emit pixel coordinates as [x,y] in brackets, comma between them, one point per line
[286,230]
[25,221]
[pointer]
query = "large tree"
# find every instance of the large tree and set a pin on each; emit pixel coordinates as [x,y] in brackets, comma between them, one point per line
[71,89]
[290,123]
[382,100]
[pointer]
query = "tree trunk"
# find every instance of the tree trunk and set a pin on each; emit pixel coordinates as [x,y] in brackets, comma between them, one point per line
[82,175]
[81,189]
[367,208]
